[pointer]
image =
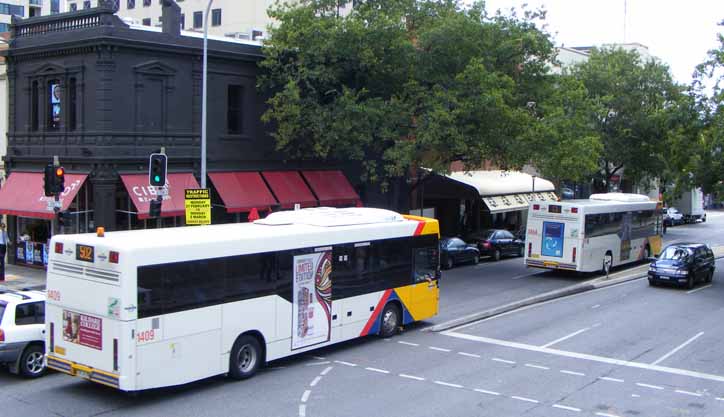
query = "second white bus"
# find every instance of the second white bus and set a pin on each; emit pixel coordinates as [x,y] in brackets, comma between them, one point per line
[591,235]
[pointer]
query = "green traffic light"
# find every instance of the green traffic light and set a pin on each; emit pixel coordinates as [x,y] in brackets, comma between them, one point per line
[157,178]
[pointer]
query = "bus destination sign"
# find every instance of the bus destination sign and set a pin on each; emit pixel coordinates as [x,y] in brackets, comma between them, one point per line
[84,253]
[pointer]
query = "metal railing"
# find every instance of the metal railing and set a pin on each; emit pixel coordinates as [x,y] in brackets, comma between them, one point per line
[100,16]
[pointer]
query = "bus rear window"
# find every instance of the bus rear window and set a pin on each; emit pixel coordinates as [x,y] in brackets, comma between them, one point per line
[426,263]
[554,209]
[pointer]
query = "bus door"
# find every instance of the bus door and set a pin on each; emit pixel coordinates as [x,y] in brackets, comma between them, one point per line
[426,288]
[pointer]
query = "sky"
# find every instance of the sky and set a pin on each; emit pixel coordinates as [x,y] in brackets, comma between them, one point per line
[679,32]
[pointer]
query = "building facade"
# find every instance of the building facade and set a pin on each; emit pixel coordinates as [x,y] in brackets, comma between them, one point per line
[102,95]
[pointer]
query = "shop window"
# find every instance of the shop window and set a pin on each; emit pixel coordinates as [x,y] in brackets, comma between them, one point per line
[54,100]
[234,125]
[34,106]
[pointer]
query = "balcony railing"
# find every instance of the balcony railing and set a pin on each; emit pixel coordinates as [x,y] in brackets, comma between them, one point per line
[64,22]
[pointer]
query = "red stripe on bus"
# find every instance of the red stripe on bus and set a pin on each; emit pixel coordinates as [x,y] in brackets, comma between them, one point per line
[376,313]
[419,228]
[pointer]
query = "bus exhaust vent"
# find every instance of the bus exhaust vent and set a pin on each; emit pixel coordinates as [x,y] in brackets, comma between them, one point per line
[67,268]
[107,275]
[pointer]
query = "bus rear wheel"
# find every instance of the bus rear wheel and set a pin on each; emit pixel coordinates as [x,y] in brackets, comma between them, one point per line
[245,357]
[390,321]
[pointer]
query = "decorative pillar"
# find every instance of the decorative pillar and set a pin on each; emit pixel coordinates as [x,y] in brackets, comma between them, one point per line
[105,182]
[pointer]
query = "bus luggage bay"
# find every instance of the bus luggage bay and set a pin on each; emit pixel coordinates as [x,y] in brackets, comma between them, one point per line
[597,234]
[145,309]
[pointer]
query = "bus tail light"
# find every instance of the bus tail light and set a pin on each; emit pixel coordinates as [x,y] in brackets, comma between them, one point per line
[2,335]
[113,257]
[574,210]
[52,338]
[58,247]
[530,248]
[574,255]
[536,206]
[115,354]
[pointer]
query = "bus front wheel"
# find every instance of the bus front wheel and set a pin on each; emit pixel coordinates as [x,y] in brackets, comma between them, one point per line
[246,357]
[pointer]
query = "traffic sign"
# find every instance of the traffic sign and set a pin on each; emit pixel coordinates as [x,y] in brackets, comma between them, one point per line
[198,206]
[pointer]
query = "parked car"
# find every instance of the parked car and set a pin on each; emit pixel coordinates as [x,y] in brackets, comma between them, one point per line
[497,243]
[567,193]
[22,332]
[672,216]
[683,264]
[455,251]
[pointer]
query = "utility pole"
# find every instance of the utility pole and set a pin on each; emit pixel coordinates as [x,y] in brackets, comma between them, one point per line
[203,94]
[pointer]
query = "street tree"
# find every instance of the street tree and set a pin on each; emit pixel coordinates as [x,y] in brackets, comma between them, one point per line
[404,84]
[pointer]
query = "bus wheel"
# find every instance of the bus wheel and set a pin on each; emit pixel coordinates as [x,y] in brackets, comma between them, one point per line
[607,262]
[245,357]
[647,253]
[390,321]
[31,362]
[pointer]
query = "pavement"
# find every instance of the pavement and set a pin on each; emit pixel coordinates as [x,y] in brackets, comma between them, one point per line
[19,277]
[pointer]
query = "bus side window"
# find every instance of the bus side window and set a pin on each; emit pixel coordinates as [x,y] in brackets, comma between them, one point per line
[426,262]
[250,276]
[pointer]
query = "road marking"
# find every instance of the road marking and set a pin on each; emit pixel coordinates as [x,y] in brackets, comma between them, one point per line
[486,391]
[417,378]
[695,394]
[319,358]
[606,415]
[447,384]
[719,399]
[606,378]
[585,356]
[576,333]
[438,349]
[318,363]
[563,371]
[382,371]
[345,363]
[305,396]
[635,396]
[315,381]
[698,289]
[408,343]
[596,306]
[503,361]
[681,346]
[649,386]
[302,410]
[530,400]
[565,407]
[530,365]
[472,355]
[326,370]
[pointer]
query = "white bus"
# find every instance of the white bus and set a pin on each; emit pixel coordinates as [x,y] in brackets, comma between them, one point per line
[151,308]
[597,234]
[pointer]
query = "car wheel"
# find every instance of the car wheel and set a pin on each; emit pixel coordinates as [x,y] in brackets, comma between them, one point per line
[652,283]
[476,259]
[496,255]
[690,282]
[32,361]
[449,263]
[245,358]
[703,219]
[710,277]
[521,252]
[390,321]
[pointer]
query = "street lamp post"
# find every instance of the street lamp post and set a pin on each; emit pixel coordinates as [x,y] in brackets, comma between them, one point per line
[203,96]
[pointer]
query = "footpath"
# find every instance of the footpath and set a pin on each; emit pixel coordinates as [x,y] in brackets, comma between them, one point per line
[20,277]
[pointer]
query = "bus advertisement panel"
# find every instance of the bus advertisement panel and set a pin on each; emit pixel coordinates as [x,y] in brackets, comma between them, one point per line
[312,306]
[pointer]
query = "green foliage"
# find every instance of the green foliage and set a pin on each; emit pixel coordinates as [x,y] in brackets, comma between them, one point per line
[404,83]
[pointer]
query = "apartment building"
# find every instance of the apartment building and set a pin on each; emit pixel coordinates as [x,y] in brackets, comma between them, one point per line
[26,8]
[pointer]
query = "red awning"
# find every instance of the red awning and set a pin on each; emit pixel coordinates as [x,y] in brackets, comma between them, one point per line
[242,191]
[173,202]
[23,195]
[332,188]
[289,188]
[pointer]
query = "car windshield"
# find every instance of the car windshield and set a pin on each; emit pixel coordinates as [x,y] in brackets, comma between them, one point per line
[675,253]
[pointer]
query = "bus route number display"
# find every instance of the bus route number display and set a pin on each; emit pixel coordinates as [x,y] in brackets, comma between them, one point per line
[84,253]
[198,206]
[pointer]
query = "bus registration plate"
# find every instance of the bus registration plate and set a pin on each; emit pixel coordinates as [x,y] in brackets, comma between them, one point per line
[550,263]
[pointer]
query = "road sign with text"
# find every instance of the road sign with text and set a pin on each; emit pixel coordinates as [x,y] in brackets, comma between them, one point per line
[198,206]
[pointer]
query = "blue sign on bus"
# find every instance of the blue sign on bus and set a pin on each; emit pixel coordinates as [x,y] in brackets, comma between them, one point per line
[553,239]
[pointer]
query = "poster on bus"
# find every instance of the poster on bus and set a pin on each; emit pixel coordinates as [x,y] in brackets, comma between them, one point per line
[312,299]
[83,329]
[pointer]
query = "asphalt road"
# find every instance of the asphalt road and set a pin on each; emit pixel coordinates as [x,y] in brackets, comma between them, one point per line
[626,350]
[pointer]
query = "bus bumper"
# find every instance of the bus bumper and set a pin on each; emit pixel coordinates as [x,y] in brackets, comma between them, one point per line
[82,371]
[534,263]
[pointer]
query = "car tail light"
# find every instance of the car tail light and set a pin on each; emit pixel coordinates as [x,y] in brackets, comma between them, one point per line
[536,206]
[113,257]
[574,210]
[574,255]
[530,248]
[52,338]
[58,247]
[2,335]
[486,245]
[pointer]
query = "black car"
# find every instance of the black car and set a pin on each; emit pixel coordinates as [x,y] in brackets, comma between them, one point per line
[497,243]
[454,251]
[683,264]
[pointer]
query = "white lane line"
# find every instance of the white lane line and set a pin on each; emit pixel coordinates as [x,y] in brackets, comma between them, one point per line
[585,356]
[596,306]
[305,396]
[315,381]
[416,378]
[319,358]
[471,355]
[408,343]
[484,391]
[678,348]
[345,363]
[438,349]
[698,289]
[563,371]
[530,365]
[447,384]
[606,378]
[695,394]
[606,415]
[503,361]
[382,371]
[719,399]
[326,370]
[565,407]
[640,384]
[566,337]
[302,410]
[635,396]
[318,363]
[530,400]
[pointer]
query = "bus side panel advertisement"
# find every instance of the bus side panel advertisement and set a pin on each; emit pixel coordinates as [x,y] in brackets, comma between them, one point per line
[83,329]
[553,239]
[312,299]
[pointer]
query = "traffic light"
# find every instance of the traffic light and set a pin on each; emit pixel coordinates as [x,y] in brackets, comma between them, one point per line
[59,173]
[155,209]
[49,180]
[157,165]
